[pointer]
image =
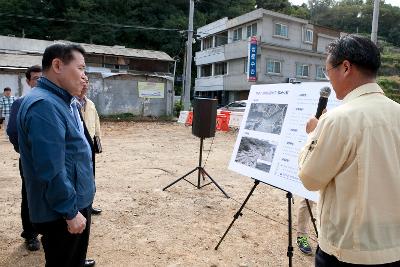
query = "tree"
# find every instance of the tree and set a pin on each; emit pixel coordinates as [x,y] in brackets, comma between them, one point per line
[274,5]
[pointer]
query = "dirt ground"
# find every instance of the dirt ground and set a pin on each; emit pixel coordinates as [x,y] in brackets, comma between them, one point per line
[141,225]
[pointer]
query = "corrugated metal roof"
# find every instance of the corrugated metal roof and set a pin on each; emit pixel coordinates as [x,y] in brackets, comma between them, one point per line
[38,46]
[126,52]
[19,61]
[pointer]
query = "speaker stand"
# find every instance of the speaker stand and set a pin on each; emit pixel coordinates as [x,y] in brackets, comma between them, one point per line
[289,197]
[201,172]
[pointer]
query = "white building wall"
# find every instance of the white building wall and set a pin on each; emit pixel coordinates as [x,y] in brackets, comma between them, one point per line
[214,27]
[211,55]
[212,83]
[323,41]
[295,33]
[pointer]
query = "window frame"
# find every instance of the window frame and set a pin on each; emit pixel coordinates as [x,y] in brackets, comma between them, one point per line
[322,77]
[202,70]
[281,25]
[305,30]
[211,41]
[302,65]
[252,29]
[221,39]
[274,62]
[225,68]
[236,36]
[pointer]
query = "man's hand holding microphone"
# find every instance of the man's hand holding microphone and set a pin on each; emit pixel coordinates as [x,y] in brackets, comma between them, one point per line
[323,101]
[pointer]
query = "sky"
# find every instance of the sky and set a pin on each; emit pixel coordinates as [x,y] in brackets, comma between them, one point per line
[392,2]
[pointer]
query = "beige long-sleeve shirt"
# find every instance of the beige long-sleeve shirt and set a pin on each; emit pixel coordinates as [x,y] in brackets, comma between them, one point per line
[353,158]
[91,118]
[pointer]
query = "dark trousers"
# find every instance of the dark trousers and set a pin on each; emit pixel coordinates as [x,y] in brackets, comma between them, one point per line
[61,248]
[325,260]
[28,231]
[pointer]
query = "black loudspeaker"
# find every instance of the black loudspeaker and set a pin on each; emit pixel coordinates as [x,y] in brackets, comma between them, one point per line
[204,117]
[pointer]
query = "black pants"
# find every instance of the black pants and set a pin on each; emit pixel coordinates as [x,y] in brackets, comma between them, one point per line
[28,231]
[61,248]
[325,260]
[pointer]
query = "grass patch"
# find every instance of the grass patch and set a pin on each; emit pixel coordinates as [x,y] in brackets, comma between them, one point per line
[391,86]
[131,117]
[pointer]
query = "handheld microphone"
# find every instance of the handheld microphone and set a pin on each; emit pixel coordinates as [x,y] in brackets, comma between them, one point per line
[323,100]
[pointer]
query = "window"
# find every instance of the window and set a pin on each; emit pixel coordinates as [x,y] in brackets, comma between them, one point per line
[320,75]
[109,66]
[221,38]
[206,70]
[252,30]
[245,65]
[220,68]
[308,36]
[207,42]
[116,66]
[302,70]
[281,30]
[274,66]
[237,34]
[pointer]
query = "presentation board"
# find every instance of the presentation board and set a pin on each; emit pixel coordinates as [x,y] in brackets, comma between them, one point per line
[151,90]
[272,133]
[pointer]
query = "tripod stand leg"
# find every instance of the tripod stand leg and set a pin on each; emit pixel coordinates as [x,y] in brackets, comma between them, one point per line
[200,159]
[183,177]
[290,246]
[238,213]
[212,180]
[312,217]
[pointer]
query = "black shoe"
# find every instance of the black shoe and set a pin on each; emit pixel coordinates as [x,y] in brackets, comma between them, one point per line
[96,211]
[89,263]
[32,244]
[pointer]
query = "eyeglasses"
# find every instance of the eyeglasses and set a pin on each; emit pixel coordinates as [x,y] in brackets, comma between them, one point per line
[326,72]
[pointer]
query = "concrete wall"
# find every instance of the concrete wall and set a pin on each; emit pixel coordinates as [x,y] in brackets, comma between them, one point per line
[295,33]
[212,83]
[211,55]
[214,27]
[323,42]
[119,94]
[289,61]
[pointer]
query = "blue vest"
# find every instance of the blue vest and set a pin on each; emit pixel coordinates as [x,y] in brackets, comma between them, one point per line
[56,160]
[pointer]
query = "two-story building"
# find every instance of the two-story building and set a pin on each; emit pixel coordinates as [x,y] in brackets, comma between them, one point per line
[288,49]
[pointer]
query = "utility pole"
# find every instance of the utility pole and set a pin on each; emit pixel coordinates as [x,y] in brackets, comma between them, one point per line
[188,72]
[375,18]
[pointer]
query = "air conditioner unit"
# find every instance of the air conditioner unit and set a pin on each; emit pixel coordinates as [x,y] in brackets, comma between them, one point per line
[291,80]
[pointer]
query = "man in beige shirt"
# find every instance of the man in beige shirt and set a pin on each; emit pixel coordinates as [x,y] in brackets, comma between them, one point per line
[352,157]
[92,123]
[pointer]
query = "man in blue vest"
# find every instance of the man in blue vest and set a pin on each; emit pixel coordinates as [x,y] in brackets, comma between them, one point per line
[56,158]
[32,74]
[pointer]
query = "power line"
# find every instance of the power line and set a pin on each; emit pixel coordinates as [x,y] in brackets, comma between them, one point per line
[117,25]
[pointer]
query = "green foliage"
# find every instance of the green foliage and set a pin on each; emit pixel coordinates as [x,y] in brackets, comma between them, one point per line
[274,5]
[347,15]
[391,86]
[390,59]
[121,117]
[355,16]
[178,106]
[352,16]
